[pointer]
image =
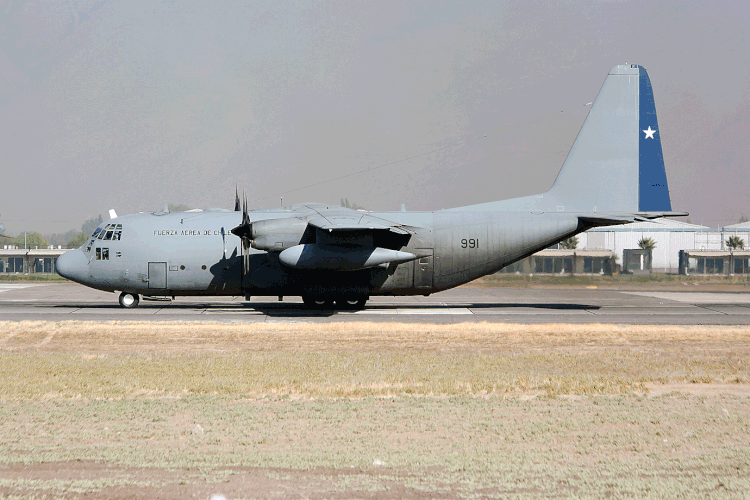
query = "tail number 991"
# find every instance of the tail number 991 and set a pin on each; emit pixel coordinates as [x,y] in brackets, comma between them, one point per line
[470,243]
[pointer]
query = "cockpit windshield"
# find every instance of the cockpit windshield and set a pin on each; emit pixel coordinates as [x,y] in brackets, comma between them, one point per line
[108,232]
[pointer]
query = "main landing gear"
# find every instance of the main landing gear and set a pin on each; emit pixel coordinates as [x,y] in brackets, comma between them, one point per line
[129,300]
[347,303]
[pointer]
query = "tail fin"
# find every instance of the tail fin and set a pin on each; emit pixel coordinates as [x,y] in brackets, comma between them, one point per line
[616,162]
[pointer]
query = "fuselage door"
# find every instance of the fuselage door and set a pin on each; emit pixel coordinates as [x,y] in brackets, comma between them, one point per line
[157,275]
[423,269]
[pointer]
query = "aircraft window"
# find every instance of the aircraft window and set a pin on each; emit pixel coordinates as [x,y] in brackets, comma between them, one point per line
[88,248]
[98,254]
[117,235]
[109,235]
[105,253]
[101,235]
[96,232]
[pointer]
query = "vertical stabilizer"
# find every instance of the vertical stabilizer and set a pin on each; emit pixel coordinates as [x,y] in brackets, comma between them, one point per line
[616,162]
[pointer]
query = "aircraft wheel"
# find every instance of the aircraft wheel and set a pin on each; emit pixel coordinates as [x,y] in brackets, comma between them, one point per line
[351,303]
[129,300]
[318,302]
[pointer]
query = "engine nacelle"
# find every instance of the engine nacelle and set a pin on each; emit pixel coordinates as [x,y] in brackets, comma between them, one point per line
[275,235]
[334,258]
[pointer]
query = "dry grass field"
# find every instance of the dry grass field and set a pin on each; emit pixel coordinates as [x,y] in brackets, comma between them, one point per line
[373,410]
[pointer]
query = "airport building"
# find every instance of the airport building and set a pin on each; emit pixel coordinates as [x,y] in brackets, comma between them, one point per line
[670,237]
[29,261]
[680,248]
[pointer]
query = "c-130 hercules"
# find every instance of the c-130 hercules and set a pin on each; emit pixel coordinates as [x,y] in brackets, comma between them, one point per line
[337,257]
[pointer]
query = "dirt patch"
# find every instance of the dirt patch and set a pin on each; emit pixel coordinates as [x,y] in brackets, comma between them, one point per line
[677,445]
[372,410]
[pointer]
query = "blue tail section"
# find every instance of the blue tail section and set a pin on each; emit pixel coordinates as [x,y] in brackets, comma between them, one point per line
[653,193]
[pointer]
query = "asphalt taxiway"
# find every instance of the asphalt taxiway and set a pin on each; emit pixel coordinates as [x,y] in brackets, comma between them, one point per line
[68,301]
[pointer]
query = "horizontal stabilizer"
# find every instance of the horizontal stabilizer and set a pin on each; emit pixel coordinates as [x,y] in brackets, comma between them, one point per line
[595,219]
[656,215]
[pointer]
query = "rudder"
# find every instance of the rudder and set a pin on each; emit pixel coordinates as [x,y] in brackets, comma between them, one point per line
[653,192]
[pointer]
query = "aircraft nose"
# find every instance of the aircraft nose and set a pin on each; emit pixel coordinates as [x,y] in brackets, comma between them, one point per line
[73,265]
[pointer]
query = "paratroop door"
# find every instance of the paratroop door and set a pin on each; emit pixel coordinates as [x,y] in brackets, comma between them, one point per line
[423,269]
[157,275]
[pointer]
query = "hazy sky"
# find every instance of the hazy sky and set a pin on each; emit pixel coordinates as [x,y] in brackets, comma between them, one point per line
[131,105]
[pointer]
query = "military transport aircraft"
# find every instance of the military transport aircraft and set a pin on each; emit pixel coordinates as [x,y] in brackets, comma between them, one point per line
[333,256]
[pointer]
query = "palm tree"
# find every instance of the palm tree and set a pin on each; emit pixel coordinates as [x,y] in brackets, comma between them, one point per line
[646,243]
[569,244]
[735,243]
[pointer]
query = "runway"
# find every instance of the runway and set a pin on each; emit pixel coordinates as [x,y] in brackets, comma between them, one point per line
[68,301]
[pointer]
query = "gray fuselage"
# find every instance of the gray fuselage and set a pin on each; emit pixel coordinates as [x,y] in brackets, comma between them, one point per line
[194,253]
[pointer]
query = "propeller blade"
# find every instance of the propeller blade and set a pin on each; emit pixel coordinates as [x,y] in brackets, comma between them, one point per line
[236,200]
[245,232]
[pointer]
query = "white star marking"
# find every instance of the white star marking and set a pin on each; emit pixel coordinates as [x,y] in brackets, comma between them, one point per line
[649,133]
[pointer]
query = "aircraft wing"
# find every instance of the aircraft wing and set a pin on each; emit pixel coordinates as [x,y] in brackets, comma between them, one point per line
[326,237]
[355,222]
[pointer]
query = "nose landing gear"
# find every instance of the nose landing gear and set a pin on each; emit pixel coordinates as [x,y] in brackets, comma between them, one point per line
[129,300]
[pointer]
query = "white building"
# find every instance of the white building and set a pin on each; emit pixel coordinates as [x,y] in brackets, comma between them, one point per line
[670,237]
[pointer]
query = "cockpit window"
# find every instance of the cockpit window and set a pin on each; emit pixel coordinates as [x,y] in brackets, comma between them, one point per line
[108,232]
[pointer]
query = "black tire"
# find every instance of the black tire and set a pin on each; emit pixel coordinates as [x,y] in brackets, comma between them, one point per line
[318,302]
[351,303]
[129,300]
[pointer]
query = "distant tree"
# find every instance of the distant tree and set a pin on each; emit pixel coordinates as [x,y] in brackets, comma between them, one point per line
[91,224]
[735,243]
[569,244]
[646,243]
[743,218]
[345,203]
[77,240]
[32,240]
[61,238]
[178,207]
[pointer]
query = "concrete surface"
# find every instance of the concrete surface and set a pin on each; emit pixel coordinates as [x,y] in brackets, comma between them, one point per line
[68,301]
